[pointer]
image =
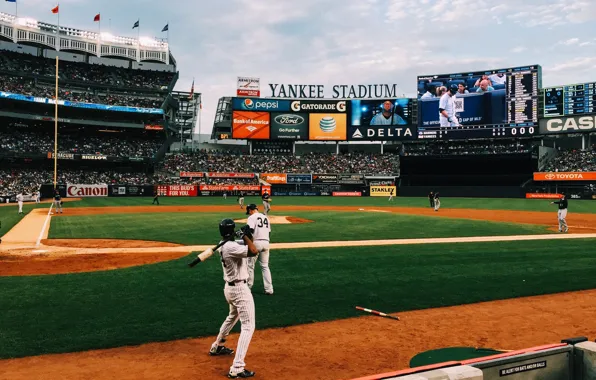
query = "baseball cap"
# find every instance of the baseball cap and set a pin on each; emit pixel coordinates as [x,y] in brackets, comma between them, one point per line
[251,206]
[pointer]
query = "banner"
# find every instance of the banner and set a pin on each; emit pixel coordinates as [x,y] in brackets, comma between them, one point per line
[327,127]
[192,174]
[382,133]
[565,176]
[269,105]
[351,179]
[298,178]
[278,147]
[274,178]
[230,175]
[248,86]
[289,126]
[230,187]
[265,189]
[571,124]
[296,193]
[324,178]
[61,156]
[542,196]
[346,194]
[319,106]
[95,157]
[251,125]
[177,190]
[382,191]
[83,191]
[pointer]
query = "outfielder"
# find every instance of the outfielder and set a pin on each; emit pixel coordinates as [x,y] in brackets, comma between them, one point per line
[57,202]
[261,227]
[390,195]
[437,201]
[234,262]
[266,202]
[225,195]
[562,213]
[447,116]
[241,200]
[20,200]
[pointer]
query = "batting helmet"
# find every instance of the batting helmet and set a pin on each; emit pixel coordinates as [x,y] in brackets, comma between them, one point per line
[227,227]
[251,206]
[453,89]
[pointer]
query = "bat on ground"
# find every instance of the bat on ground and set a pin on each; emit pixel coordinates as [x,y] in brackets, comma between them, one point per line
[377,313]
[208,252]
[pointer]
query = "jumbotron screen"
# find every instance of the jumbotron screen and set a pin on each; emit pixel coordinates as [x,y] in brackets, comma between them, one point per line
[491,103]
[570,100]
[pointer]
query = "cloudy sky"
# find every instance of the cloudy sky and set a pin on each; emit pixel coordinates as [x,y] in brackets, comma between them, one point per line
[346,41]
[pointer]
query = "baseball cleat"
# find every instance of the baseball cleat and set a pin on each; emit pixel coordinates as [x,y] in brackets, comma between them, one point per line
[220,350]
[242,375]
[268,293]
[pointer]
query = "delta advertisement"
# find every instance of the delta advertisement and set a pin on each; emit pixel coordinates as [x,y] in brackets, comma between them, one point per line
[382,119]
[382,191]
[565,176]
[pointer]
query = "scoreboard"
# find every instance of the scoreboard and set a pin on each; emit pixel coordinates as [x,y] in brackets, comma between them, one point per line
[522,97]
[576,99]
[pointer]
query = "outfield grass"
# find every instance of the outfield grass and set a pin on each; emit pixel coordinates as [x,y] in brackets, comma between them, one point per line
[164,301]
[202,228]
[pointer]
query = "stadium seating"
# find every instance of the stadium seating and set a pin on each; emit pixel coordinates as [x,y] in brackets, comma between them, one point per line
[574,161]
[467,148]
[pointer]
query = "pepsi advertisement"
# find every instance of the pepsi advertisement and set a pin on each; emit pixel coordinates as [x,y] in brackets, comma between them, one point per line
[258,104]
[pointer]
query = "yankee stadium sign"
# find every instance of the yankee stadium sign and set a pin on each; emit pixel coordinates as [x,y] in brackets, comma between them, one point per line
[339,91]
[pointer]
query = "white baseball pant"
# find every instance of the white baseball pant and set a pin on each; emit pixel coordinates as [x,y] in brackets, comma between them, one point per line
[267,207]
[242,306]
[263,258]
[562,214]
[58,206]
[20,206]
[437,204]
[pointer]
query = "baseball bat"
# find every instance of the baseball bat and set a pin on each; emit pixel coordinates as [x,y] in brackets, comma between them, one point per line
[377,313]
[208,252]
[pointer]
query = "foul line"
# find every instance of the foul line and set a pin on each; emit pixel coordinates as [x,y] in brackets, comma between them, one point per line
[44,227]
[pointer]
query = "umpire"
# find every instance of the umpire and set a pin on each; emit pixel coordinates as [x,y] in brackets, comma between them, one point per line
[431,199]
[155,197]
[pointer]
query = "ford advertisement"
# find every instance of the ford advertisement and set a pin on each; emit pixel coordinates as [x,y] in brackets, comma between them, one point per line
[289,126]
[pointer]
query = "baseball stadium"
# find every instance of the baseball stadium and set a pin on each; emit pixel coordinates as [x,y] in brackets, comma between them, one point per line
[449,235]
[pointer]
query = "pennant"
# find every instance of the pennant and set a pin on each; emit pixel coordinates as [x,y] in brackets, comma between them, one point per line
[12,1]
[56,9]
[97,17]
[136,25]
[166,28]
[192,89]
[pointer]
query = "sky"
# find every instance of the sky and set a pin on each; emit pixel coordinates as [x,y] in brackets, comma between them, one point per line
[328,42]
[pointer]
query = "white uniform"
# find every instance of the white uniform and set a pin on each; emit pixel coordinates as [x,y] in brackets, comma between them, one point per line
[20,200]
[260,224]
[234,255]
[437,203]
[241,201]
[380,119]
[447,103]
[428,95]
[225,195]
[496,79]
[37,196]
[266,204]
[390,195]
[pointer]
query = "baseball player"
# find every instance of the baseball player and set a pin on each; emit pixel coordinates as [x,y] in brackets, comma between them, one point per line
[447,116]
[155,197]
[20,200]
[390,195]
[37,197]
[225,195]
[431,199]
[261,227]
[57,202]
[387,117]
[437,201]
[241,200]
[266,202]
[234,262]
[562,213]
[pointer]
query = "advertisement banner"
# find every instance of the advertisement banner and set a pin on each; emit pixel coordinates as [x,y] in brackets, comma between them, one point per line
[324,178]
[265,189]
[346,194]
[83,191]
[382,191]
[191,174]
[289,126]
[565,176]
[230,175]
[94,157]
[542,196]
[177,190]
[319,106]
[248,86]
[61,156]
[274,178]
[298,178]
[381,112]
[351,179]
[327,127]
[251,125]
[269,105]
[296,193]
[382,133]
[269,147]
[135,190]
[230,187]
[571,124]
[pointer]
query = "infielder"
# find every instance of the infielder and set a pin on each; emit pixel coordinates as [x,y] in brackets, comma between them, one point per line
[57,202]
[241,200]
[234,262]
[266,202]
[447,116]
[20,200]
[562,213]
[431,199]
[37,197]
[225,195]
[261,227]
[437,201]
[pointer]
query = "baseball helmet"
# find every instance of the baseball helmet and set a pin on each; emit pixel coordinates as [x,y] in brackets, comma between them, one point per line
[227,227]
[453,89]
[251,206]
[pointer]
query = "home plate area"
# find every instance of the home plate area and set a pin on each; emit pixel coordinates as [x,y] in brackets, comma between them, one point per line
[279,219]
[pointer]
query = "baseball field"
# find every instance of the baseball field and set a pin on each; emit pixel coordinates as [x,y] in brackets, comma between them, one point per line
[103,291]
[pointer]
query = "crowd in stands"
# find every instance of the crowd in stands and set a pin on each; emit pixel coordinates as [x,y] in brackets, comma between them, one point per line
[26,64]
[574,160]
[213,161]
[469,148]
[21,140]
[29,87]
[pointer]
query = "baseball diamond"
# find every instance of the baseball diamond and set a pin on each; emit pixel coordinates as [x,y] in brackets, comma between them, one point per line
[152,227]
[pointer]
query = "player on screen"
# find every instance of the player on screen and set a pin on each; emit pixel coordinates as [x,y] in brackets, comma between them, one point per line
[447,116]
[387,117]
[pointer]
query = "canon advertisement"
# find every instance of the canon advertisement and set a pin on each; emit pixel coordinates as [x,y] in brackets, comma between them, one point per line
[84,191]
[571,124]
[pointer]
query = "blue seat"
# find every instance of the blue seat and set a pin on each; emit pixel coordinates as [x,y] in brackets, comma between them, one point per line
[499,86]
[471,82]
[456,82]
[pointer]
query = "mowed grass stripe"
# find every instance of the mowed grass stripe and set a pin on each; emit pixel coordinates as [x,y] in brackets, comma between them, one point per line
[202,228]
[64,313]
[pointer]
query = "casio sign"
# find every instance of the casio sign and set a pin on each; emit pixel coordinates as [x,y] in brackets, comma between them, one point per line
[584,123]
[289,119]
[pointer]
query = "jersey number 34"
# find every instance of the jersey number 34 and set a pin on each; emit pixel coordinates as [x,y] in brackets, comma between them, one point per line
[263,222]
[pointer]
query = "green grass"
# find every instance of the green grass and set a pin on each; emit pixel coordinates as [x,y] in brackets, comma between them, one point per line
[65,313]
[202,228]
[10,217]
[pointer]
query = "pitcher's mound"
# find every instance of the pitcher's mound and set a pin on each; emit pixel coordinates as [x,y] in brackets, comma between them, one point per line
[279,219]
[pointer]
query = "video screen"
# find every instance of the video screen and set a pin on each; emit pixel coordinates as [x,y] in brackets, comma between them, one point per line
[381,112]
[570,100]
[494,103]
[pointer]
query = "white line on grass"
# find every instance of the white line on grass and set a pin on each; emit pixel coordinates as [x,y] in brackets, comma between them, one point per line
[44,226]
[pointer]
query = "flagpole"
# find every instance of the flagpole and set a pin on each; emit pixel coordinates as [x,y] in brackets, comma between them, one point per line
[16,8]
[56,127]
[168,36]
